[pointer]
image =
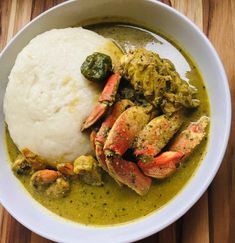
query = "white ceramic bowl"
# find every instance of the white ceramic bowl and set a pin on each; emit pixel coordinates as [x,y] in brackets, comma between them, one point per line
[151,14]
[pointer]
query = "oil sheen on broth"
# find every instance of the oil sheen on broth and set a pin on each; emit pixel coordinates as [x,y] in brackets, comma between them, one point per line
[111,204]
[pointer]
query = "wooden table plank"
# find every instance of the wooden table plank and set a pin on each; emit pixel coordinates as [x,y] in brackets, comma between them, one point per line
[5,12]
[195,223]
[12,231]
[217,19]
[193,9]
[221,31]
[39,6]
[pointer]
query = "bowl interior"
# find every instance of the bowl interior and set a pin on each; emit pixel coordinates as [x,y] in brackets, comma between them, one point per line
[156,16]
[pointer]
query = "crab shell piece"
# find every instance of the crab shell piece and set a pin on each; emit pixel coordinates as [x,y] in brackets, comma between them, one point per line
[156,134]
[106,99]
[98,111]
[100,155]
[164,165]
[119,139]
[189,138]
[125,129]
[117,110]
[129,174]
[92,138]
[102,134]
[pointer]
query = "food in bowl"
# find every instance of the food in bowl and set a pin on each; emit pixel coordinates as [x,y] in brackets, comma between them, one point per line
[50,94]
[133,120]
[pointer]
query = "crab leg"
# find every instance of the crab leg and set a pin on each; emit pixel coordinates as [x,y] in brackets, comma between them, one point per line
[161,166]
[125,129]
[92,138]
[156,134]
[119,139]
[106,100]
[129,174]
[165,164]
[102,134]
[191,136]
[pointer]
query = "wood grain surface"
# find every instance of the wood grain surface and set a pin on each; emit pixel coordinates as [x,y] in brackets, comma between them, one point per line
[212,219]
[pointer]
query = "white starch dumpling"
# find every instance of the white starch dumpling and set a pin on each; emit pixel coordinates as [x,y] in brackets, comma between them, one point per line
[47,97]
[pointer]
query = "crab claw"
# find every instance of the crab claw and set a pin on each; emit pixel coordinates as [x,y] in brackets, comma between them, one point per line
[100,155]
[95,115]
[106,99]
[162,166]
[117,110]
[192,136]
[92,138]
[102,134]
[125,129]
[156,134]
[129,174]
[119,139]
[165,164]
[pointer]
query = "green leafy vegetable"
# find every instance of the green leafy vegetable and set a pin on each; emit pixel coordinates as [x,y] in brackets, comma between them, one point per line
[157,80]
[97,67]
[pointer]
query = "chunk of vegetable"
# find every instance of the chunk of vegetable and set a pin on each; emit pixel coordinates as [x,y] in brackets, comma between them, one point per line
[21,166]
[157,80]
[97,67]
[88,170]
[33,159]
[58,189]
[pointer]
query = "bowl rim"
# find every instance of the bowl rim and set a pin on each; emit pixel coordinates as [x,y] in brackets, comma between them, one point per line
[207,180]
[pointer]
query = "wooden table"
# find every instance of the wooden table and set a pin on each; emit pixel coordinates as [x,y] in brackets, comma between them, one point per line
[212,219]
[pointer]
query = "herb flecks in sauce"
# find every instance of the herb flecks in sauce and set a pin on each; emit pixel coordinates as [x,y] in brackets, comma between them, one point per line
[111,204]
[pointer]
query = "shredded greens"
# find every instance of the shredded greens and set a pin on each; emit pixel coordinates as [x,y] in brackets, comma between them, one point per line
[157,80]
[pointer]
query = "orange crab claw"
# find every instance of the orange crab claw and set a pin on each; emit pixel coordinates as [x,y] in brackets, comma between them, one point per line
[161,166]
[100,155]
[109,92]
[102,134]
[191,136]
[95,115]
[119,139]
[168,156]
[156,134]
[165,164]
[129,174]
[106,99]
[117,110]
[125,129]
[92,138]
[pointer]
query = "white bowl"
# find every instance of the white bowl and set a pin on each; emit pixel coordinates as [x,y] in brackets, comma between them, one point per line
[169,21]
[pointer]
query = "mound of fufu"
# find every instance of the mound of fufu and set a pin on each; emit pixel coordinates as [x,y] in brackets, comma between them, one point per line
[47,97]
